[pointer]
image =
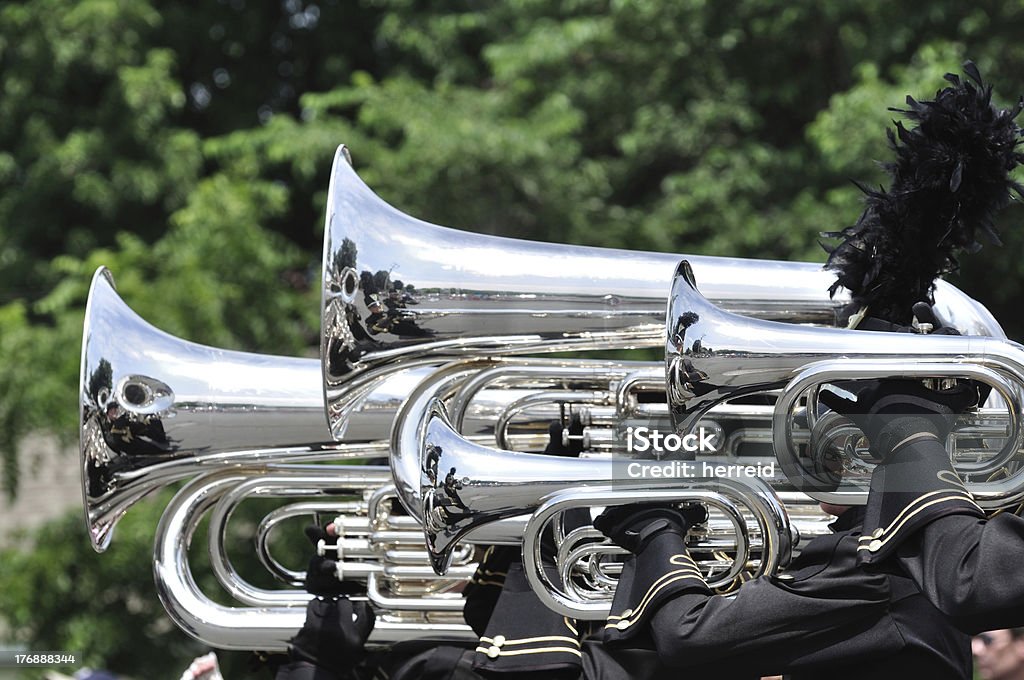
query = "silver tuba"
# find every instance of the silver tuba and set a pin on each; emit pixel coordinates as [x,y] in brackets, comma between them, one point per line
[464,486]
[398,292]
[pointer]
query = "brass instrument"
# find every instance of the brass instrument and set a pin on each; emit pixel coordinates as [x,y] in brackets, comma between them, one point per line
[713,355]
[155,409]
[413,313]
[464,486]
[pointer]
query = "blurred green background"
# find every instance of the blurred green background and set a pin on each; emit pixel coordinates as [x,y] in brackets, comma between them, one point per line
[187,146]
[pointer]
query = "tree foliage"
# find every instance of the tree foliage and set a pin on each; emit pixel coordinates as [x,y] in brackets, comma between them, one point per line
[187,147]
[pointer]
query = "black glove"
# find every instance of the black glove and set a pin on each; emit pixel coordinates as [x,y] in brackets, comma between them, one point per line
[927,321]
[334,634]
[634,526]
[888,412]
[322,573]
[925,314]
[336,628]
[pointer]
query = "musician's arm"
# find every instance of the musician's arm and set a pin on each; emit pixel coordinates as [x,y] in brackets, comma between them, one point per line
[920,517]
[768,625]
[763,628]
[970,569]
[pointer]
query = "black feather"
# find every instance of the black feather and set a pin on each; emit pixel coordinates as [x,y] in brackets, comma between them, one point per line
[950,177]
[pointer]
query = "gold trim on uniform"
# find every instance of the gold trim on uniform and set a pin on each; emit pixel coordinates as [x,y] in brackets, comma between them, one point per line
[880,537]
[917,436]
[491,572]
[689,571]
[494,652]
[953,478]
[501,641]
[498,645]
[571,627]
[687,560]
[497,577]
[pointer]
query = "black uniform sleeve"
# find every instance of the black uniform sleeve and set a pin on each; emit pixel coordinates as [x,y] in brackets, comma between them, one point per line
[970,569]
[914,488]
[523,636]
[922,520]
[770,623]
[796,620]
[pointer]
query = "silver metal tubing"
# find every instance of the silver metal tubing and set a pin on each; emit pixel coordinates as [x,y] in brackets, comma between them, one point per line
[278,484]
[1007,491]
[246,628]
[274,518]
[713,355]
[726,496]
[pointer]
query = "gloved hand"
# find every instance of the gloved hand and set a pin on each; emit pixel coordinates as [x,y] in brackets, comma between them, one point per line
[634,526]
[322,574]
[334,634]
[927,321]
[888,412]
[925,314]
[336,628]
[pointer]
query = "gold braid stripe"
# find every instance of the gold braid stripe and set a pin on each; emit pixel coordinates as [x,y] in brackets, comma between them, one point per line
[889,532]
[544,638]
[687,570]
[569,625]
[962,494]
[489,572]
[518,652]
[488,583]
[658,586]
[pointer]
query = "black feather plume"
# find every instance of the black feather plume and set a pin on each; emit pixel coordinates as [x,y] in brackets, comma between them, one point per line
[951,176]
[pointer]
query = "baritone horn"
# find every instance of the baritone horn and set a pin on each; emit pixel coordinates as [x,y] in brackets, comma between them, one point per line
[465,486]
[713,355]
[268,619]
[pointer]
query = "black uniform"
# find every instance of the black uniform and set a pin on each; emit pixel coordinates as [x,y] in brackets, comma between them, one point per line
[824,617]
[928,526]
[922,521]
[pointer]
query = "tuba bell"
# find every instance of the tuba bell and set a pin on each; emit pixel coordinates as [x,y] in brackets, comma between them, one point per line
[155,409]
[398,291]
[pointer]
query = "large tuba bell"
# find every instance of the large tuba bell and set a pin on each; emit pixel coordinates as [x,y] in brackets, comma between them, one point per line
[155,409]
[398,291]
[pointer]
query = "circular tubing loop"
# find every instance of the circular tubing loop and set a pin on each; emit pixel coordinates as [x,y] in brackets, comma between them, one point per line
[710,492]
[817,373]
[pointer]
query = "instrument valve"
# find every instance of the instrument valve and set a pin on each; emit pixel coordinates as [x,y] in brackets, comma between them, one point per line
[568,438]
[335,530]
